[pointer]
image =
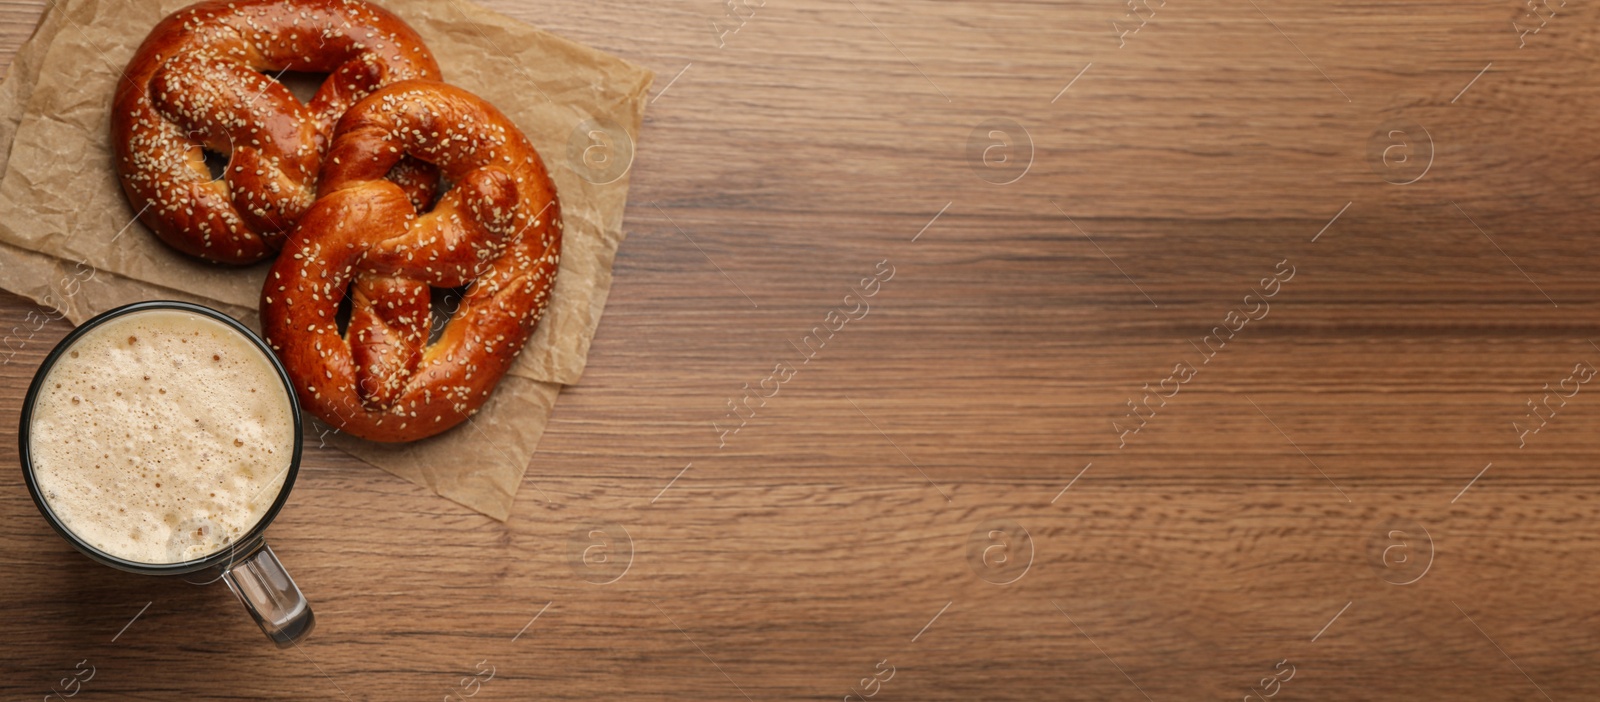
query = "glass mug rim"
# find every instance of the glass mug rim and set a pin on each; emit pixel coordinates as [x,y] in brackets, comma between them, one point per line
[241,548]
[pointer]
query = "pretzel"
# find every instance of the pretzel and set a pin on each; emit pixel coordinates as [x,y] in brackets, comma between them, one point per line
[498,230]
[196,84]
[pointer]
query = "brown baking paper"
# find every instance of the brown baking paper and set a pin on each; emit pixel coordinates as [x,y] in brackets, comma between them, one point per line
[69,239]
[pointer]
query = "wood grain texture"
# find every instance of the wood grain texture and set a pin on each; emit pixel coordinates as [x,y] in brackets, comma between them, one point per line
[1244,525]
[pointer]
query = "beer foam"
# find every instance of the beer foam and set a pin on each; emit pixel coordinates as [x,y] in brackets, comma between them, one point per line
[161,436]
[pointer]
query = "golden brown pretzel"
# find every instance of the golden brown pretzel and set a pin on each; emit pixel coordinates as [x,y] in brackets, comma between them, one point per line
[197,83]
[498,230]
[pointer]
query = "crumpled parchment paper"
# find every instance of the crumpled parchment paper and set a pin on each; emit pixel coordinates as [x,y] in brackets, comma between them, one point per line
[69,239]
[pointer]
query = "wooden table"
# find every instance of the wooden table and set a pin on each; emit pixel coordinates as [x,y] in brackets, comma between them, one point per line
[1338,482]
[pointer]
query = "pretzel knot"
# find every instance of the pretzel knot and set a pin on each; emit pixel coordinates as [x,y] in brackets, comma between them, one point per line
[197,85]
[498,231]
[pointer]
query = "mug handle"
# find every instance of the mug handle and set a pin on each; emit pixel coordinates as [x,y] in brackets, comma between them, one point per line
[273,599]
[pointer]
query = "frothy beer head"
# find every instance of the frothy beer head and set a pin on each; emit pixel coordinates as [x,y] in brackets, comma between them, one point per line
[161,436]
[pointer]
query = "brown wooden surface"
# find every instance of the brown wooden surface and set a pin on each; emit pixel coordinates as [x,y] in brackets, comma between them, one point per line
[1238,529]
